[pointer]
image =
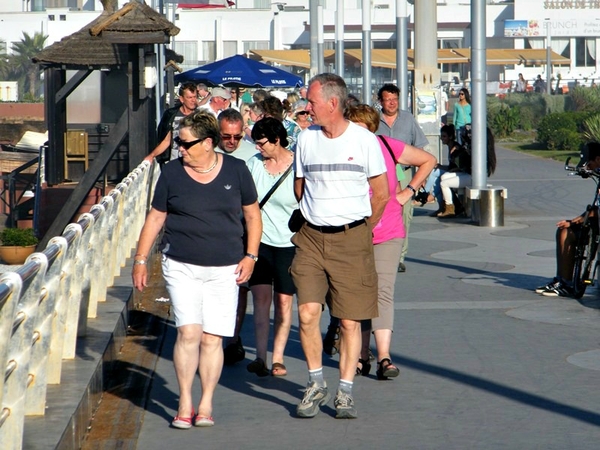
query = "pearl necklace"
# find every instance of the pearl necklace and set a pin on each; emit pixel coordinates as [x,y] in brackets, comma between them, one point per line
[278,173]
[195,169]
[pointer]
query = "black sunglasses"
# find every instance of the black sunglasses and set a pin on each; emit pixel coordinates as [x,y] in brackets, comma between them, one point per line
[228,137]
[186,145]
[299,113]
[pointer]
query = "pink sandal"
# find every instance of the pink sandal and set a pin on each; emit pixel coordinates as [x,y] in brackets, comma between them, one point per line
[183,423]
[200,421]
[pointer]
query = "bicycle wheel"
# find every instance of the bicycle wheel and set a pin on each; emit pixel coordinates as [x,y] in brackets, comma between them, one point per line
[585,256]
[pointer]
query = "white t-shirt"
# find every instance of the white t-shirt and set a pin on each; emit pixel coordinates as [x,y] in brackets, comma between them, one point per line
[206,107]
[336,174]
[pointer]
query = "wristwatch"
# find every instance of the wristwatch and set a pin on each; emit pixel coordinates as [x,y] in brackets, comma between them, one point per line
[251,256]
[138,262]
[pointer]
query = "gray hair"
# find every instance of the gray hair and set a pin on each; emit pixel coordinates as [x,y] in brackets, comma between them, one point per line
[332,86]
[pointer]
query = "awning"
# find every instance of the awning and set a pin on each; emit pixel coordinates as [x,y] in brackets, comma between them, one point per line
[538,56]
[386,58]
[496,56]
[298,58]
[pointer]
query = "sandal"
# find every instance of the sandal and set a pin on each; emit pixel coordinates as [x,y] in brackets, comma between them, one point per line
[258,367]
[234,352]
[278,370]
[365,367]
[331,341]
[200,421]
[183,423]
[386,369]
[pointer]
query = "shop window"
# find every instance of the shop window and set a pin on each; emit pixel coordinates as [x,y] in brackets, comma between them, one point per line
[585,52]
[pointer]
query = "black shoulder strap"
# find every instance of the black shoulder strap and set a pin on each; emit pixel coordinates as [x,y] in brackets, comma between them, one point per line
[275,186]
[388,147]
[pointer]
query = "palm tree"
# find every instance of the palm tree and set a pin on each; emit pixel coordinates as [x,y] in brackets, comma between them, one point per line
[25,71]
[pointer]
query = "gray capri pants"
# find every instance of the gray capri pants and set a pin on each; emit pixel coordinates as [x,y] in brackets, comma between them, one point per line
[387,257]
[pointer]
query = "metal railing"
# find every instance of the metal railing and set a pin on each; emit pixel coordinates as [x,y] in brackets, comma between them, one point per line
[45,304]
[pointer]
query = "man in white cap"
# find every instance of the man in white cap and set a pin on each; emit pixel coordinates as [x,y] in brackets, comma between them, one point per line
[219,100]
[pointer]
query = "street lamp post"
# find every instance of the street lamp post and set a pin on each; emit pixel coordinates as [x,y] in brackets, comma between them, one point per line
[548,57]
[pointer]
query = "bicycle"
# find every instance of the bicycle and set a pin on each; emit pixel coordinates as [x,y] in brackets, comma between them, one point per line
[588,237]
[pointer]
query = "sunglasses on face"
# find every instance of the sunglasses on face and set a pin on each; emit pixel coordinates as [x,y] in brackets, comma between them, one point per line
[301,113]
[228,137]
[261,144]
[186,145]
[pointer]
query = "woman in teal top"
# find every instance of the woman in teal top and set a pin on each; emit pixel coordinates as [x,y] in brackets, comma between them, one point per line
[276,252]
[462,114]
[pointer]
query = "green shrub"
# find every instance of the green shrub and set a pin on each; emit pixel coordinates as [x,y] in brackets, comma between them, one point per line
[549,134]
[20,237]
[505,121]
[585,99]
[564,139]
[555,103]
[527,118]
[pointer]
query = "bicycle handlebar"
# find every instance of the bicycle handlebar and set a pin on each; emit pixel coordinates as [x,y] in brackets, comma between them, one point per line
[582,171]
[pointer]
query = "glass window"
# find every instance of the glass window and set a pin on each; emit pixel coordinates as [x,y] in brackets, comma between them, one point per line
[256,45]
[585,52]
[262,4]
[189,51]
[229,48]
[209,50]
[449,43]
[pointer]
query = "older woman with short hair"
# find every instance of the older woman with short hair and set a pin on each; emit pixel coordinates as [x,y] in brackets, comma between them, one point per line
[388,237]
[198,200]
[276,252]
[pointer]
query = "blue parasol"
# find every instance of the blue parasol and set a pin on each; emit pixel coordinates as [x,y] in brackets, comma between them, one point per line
[239,71]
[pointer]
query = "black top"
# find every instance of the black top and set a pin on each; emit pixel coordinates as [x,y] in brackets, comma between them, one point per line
[203,224]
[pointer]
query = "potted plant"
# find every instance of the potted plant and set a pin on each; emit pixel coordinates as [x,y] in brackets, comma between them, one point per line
[17,244]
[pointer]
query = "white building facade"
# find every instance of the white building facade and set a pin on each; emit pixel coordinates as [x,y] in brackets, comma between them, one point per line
[208,34]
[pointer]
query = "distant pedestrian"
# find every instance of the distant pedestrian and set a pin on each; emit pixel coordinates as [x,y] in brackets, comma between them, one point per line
[521,84]
[539,85]
[168,128]
[403,126]
[460,176]
[203,94]
[462,114]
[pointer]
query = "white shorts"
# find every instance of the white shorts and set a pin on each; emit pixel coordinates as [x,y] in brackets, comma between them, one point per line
[202,295]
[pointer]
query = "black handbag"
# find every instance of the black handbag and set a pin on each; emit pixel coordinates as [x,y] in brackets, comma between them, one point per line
[296,221]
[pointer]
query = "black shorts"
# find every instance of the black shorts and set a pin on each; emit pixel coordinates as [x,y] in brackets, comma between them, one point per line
[273,268]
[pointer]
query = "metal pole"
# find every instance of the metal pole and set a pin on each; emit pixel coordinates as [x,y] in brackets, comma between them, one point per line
[478,95]
[314,50]
[548,57]
[339,39]
[402,52]
[366,51]
[320,38]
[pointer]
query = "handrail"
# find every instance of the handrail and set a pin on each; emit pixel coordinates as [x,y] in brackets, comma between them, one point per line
[45,303]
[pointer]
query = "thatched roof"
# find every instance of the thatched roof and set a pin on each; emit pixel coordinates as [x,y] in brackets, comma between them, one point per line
[104,41]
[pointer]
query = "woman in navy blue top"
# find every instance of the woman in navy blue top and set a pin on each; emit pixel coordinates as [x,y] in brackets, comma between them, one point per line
[199,199]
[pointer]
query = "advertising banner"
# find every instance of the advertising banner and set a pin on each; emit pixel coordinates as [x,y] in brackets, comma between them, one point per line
[521,28]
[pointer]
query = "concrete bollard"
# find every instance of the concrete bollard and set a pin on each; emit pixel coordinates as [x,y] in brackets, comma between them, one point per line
[487,205]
